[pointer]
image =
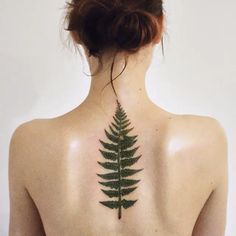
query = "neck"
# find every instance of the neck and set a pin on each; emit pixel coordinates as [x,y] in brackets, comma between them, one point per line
[129,86]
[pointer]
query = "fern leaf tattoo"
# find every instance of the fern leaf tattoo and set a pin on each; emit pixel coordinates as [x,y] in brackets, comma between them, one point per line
[119,157]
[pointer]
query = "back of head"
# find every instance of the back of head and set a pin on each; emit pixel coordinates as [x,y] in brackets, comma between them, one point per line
[118,25]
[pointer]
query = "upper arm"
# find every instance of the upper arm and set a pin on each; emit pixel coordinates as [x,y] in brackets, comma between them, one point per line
[24,216]
[212,218]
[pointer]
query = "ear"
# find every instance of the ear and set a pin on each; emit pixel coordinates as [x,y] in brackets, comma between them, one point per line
[160,25]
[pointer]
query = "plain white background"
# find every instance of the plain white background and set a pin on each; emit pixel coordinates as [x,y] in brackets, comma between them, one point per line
[40,77]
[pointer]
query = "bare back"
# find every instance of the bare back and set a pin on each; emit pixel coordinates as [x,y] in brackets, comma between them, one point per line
[54,167]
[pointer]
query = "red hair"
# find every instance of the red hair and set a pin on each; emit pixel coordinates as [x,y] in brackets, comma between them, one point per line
[120,25]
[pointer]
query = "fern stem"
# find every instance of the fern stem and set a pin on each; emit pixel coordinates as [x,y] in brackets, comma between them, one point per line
[119,172]
[119,190]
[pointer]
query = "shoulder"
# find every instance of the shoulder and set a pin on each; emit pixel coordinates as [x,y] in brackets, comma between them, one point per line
[33,145]
[28,131]
[28,139]
[38,138]
[201,139]
[36,128]
[26,128]
[205,129]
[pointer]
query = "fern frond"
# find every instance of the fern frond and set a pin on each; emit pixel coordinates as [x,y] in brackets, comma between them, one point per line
[119,153]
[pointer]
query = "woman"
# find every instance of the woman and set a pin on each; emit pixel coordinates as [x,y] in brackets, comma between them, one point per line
[118,164]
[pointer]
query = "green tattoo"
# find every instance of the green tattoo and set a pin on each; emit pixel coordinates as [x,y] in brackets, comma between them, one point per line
[120,158]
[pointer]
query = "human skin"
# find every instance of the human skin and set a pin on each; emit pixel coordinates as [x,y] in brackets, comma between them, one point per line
[54,188]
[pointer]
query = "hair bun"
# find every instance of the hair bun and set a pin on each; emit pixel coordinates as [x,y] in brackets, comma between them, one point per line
[131,29]
[102,24]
